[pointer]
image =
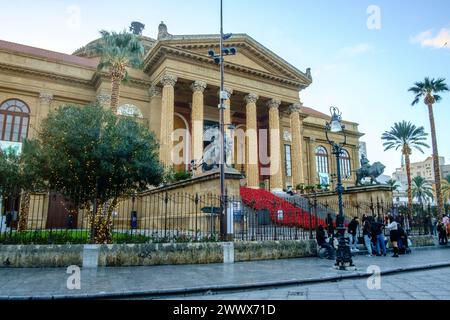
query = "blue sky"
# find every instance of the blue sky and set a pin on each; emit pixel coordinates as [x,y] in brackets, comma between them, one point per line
[365,72]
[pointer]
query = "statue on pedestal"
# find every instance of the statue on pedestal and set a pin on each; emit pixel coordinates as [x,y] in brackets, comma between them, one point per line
[369,171]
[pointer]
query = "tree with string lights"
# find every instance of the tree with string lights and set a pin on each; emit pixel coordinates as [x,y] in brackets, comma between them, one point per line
[93,158]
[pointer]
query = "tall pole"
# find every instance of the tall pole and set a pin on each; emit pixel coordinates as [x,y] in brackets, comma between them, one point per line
[223,204]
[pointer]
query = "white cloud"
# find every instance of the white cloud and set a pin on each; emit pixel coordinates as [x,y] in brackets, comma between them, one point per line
[356,50]
[429,39]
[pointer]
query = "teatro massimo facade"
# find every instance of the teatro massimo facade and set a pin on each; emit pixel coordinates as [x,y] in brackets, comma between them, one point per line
[283,141]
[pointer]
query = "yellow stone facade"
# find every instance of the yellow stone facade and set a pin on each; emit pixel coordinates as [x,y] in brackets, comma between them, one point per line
[178,89]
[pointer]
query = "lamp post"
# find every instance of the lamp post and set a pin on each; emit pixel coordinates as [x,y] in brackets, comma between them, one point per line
[219,59]
[344,255]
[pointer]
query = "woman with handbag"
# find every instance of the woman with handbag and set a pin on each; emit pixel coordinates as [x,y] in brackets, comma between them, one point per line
[394,234]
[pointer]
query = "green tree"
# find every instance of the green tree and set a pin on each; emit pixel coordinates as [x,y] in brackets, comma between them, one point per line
[429,90]
[117,51]
[405,136]
[422,190]
[93,157]
[17,179]
[393,184]
[446,188]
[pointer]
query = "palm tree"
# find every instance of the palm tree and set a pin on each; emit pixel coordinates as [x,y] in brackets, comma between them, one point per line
[429,90]
[406,136]
[117,52]
[446,188]
[393,184]
[422,190]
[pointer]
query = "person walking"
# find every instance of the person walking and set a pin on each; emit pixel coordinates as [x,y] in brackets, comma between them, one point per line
[394,234]
[353,233]
[367,234]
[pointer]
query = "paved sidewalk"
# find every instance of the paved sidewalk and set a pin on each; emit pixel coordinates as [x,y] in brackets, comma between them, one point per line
[161,280]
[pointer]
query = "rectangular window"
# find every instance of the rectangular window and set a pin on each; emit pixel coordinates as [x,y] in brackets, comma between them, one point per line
[288,160]
[9,120]
[2,125]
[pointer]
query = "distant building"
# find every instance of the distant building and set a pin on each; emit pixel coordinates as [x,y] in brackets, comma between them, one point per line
[423,169]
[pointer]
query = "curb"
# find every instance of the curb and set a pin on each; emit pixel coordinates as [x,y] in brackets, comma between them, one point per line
[224,288]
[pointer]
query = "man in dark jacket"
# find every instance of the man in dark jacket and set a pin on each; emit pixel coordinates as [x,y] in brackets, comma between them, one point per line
[330,225]
[377,231]
[321,241]
[353,233]
[367,230]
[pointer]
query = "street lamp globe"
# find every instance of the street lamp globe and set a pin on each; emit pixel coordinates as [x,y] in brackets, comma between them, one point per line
[336,120]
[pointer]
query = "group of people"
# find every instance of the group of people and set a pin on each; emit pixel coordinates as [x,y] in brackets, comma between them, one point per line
[373,231]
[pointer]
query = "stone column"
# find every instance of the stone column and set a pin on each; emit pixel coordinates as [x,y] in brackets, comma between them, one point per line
[252,166]
[167,118]
[276,176]
[297,145]
[45,100]
[154,112]
[312,161]
[227,122]
[198,88]
[103,99]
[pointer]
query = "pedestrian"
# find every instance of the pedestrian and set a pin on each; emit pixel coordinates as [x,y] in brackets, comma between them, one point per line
[134,220]
[367,234]
[70,221]
[377,229]
[434,223]
[322,242]
[442,232]
[353,233]
[330,225]
[394,235]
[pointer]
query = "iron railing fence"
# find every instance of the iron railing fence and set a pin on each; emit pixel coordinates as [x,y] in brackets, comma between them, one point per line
[183,217]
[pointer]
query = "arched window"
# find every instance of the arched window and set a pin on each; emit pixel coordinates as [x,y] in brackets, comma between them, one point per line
[321,160]
[129,110]
[14,120]
[346,169]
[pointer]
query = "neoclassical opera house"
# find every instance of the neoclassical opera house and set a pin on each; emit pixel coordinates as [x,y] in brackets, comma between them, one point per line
[178,89]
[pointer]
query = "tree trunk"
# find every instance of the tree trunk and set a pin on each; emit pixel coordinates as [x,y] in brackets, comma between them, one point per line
[103,222]
[115,94]
[437,167]
[24,212]
[408,175]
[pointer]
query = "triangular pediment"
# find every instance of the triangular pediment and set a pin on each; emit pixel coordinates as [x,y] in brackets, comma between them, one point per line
[251,55]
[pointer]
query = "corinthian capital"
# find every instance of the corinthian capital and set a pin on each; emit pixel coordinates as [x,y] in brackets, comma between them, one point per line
[274,103]
[251,98]
[228,91]
[154,91]
[296,107]
[45,97]
[169,80]
[198,86]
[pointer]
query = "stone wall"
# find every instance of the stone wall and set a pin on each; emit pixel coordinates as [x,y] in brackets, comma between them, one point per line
[422,241]
[273,250]
[154,254]
[36,256]
[160,254]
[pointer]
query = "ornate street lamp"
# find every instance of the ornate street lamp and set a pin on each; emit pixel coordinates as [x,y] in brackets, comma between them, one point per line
[344,255]
[219,59]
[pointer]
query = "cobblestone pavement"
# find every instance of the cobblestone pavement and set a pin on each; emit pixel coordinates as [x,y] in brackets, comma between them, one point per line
[419,285]
[157,280]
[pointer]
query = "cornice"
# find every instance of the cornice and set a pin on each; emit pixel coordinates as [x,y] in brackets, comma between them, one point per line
[244,41]
[161,50]
[43,74]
